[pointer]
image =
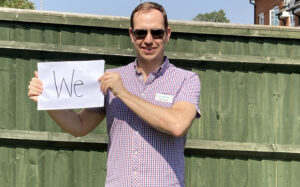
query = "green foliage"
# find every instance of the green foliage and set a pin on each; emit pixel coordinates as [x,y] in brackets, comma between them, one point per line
[214,16]
[23,4]
[2,3]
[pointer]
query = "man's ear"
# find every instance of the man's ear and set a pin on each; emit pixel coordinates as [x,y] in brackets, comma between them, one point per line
[131,34]
[168,33]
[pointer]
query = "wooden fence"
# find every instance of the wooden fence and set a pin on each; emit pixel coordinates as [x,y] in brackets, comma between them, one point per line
[249,132]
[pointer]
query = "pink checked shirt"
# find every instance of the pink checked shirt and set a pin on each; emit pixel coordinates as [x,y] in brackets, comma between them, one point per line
[139,155]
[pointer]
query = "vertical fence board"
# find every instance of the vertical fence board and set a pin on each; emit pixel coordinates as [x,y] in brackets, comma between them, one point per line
[269,173]
[255,176]
[294,178]
[295,107]
[269,104]
[255,108]
[4,92]
[285,109]
[211,107]
[284,173]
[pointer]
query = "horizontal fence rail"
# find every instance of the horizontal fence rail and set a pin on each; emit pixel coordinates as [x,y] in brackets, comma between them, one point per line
[96,141]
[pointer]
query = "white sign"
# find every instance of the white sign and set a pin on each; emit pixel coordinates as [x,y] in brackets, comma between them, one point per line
[70,85]
[164,98]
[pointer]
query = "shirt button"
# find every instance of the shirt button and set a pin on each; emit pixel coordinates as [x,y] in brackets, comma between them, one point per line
[143,95]
[136,152]
[136,132]
[135,173]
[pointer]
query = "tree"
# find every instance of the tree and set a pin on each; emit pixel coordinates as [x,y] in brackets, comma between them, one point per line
[214,16]
[23,4]
[2,3]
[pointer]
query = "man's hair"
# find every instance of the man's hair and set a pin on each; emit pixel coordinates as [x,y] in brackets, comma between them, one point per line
[147,6]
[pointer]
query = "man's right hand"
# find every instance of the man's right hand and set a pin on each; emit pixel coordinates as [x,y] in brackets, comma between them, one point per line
[35,87]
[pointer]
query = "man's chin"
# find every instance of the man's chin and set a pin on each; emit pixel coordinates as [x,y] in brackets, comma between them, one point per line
[149,57]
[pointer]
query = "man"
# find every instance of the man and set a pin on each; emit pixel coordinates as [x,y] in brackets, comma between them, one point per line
[149,106]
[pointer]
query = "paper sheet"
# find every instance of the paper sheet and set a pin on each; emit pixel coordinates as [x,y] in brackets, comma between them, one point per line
[70,84]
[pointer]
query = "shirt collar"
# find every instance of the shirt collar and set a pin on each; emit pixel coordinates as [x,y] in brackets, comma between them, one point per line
[159,71]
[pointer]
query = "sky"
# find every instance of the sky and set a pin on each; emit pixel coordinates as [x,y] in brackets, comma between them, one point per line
[237,11]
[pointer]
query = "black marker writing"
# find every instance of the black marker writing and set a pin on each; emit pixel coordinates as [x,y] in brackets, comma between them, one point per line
[77,83]
[72,86]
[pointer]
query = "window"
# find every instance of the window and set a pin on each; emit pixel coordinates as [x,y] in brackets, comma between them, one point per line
[292,20]
[273,16]
[286,2]
[261,19]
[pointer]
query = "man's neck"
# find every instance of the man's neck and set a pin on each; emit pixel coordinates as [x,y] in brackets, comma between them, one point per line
[147,67]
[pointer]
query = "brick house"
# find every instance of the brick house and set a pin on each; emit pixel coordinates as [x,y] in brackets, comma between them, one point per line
[276,12]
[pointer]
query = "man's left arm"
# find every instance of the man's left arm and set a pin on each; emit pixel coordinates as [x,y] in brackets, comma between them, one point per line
[174,121]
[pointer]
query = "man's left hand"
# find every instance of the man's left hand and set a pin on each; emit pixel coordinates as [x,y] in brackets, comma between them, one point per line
[112,81]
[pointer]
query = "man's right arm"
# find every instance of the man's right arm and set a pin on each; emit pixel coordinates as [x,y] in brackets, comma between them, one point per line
[77,124]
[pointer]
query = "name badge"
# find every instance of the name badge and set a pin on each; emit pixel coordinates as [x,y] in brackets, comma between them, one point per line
[164,98]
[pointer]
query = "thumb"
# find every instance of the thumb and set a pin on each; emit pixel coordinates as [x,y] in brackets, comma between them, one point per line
[36,74]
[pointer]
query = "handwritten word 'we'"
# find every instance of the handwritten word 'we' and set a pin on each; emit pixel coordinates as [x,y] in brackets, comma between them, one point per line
[71,89]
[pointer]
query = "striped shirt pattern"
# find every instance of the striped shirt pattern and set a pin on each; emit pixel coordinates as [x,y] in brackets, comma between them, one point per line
[138,154]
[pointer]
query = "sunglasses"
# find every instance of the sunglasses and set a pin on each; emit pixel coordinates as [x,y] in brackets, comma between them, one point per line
[142,33]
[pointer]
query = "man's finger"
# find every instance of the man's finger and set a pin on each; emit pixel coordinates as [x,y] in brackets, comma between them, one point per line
[35,86]
[36,80]
[36,74]
[102,87]
[33,92]
[34,98]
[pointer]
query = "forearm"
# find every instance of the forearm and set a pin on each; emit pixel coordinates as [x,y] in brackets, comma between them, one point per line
[77,124]
[173,121]
[68,120]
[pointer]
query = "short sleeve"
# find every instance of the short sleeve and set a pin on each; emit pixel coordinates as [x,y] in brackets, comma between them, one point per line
[190,91]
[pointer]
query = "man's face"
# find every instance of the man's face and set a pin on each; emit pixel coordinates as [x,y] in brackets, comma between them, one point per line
[150,48]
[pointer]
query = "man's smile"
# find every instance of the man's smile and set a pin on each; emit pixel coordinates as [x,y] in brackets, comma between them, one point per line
[148,49]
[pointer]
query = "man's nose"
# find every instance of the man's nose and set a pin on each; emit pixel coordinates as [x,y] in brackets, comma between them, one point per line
[148,38]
